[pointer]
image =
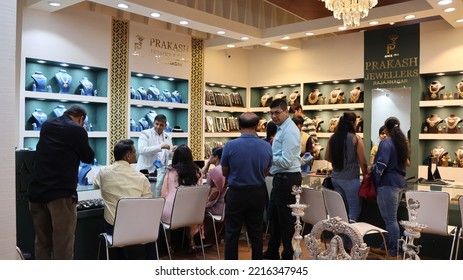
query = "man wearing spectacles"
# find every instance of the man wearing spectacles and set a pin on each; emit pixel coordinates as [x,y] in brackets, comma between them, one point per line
[286,171]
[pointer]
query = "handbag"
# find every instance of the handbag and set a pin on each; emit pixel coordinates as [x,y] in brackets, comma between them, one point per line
[327,183]
[367,188]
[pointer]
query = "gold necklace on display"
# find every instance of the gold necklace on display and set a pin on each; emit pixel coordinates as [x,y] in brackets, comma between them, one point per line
[459,153]
[433,123]
[452,122]
[264,98]
[460,89]
[434,88]
[355,95]
[438,151]
[313,97]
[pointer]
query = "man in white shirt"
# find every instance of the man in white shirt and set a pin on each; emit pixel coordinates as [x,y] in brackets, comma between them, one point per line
[122,180]
[155,146]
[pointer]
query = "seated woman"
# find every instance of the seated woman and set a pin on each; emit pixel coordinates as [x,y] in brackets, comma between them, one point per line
[216,199]
[182,172]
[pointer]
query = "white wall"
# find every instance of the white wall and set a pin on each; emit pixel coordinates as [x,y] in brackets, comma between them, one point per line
[8,126]
[230,67]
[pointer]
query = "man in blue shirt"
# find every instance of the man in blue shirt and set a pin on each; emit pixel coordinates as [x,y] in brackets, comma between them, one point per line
[286,171]
[245,163]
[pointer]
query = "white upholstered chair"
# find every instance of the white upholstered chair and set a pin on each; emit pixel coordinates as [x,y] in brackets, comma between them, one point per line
[460,233]
[336,208]
[188,209]
[433,212]
[316,210]
[136,221]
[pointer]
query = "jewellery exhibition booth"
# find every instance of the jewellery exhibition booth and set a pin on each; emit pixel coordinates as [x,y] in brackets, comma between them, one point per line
[392,75]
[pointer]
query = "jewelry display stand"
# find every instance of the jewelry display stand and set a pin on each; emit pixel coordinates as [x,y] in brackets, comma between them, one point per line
[40,118]
[134,94]
[87,87]
[59,110]
[176,97]
[64,81]
[412,231]
[143,124]
[40,82]
[150,117]
[297,210]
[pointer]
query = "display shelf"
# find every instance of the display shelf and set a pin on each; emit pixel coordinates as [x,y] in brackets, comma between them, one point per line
[91,134]
[333,107]
[441,136]
[441,103]
[158,104]
[225,96]
[135,134]
[222,109]
[291,92]
[323,97]
[65,97]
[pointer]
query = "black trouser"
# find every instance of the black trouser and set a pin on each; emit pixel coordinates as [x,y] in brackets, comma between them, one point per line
[282,221]
[244,206]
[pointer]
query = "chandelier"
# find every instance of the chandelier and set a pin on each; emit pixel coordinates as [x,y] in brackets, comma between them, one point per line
[350,11]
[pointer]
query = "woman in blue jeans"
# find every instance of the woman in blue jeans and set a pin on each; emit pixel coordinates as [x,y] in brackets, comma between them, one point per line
[347,154]
[388,171]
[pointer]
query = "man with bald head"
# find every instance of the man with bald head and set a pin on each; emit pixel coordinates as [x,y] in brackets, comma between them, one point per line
[245,163]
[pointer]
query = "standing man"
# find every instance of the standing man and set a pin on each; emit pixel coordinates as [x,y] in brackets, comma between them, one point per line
[122,180]
[63,144]
[245,163]
[286,171]
[155,148]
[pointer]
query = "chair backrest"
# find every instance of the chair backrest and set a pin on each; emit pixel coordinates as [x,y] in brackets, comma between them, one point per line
[433,211]
[316,210]
[137,221]
[189,206]
[460,202]
[335,204]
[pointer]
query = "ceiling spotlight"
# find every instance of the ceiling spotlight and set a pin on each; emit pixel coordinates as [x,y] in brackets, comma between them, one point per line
[352,80]
[285,38]
[444,2]
[140,75]
[85,67]
[267,44]
[440,74]
[309,33]
[374,22]
[220,32]
[171,79]
[155,77]
[341,28]
[223,86]
[244,38]
[284,47]
[230,46]
[123,6]
[155,14]
[54,4]
[212,85]
[410,17]
[183,22]
[233,87]
[449,10]
[41,61]
[64,64]
[459,20]
[320,83]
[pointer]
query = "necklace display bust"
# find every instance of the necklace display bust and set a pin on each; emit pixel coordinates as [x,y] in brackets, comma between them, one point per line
[336,96]
[40,82]
[133,125]
[356,95]
[433,122]
[59,110]
[134,94]
[64,81]
[40,118]
[294,97]
[265,100]
[313,96]
[318,121]
[439,152]
[142,92]
[150,117]
[167,95]
[87,86]
[143,124]
[176,97]
[434,89]
[460,89]
[334,121]
[452,122]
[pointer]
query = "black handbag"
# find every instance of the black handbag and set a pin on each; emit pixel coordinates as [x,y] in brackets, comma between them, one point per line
[327,183]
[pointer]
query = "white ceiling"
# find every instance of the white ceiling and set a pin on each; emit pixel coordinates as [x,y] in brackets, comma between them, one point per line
[263,23]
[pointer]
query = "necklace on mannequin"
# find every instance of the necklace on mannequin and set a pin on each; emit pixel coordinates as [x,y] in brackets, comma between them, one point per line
[434,89]
[433,120]
[355,95]
[64,79]
[460,89]
[313,96]
[337,95]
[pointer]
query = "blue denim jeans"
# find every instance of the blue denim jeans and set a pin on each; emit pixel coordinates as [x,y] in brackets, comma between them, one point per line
[349,190]
[388,203]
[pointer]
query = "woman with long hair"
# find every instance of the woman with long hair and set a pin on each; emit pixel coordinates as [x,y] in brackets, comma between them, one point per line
[182,172]
[346,152]
[388,171]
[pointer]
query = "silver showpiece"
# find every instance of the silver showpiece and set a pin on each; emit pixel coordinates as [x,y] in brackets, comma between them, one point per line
[297,211]
[412,231]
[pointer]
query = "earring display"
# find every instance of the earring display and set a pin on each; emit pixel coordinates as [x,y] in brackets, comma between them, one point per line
[133,125]
[167,95]
[64,81]
[40,82]
[317,148]
[87,86]
[40,117]
[59,110]
[359,124]
[433,90]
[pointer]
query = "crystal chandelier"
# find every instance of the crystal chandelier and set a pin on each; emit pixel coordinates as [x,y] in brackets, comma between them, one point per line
[350,11]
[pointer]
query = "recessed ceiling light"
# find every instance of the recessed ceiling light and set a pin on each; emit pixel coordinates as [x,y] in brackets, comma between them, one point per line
[444,2]
[85,67]
[155,14]
[335,82]
[309,33]
[278,86]
[123,6]
[284,47]
[183,22]
[374,22]
[352,80]
[292,85]
[155,77]
[440,74]
[391,23]
[212,85]
[233,87]
[64,64]
[267,44]
[342,28]
[265,87]
[230,46]
[449,10]
[409,16]
[285,38]
[41,61]
[459,20]
[223,86]
[319,83]
[140,75]
[171,79]
[244,38]
[54,4]
[220,32]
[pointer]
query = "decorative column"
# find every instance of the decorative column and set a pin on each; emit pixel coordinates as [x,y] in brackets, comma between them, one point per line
[118,84]
[196,98]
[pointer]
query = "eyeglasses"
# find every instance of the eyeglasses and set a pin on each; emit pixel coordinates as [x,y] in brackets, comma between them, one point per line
[275,113]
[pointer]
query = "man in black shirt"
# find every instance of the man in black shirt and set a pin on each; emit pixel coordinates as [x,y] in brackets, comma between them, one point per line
[63,144]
